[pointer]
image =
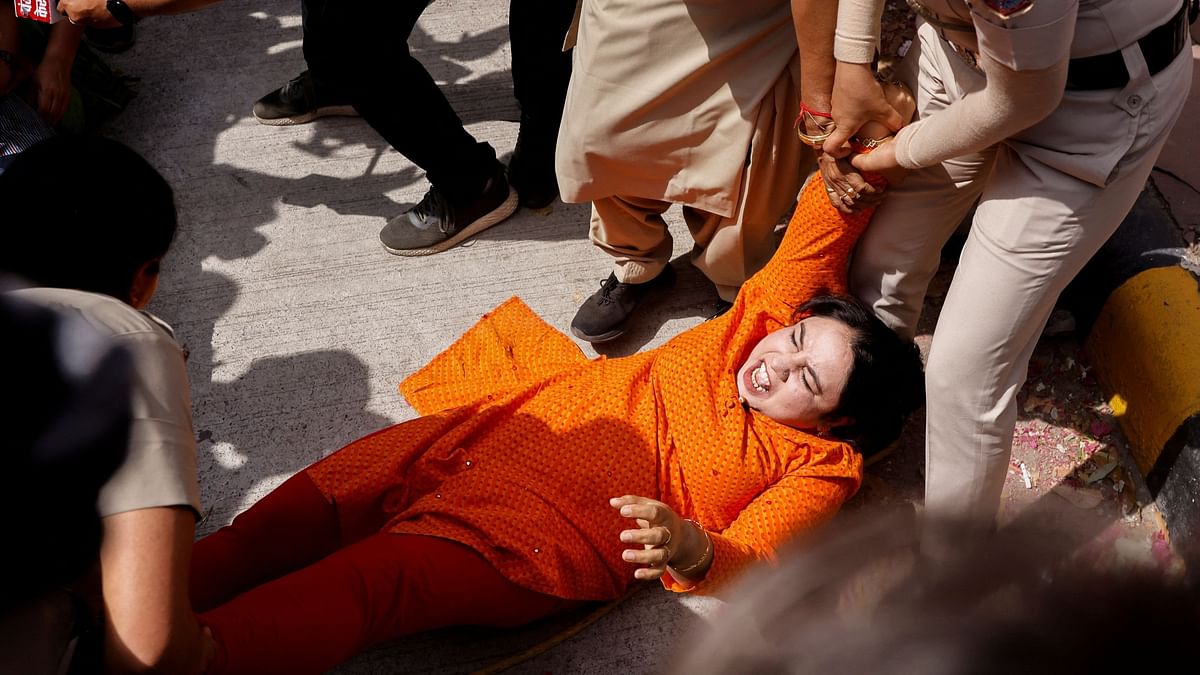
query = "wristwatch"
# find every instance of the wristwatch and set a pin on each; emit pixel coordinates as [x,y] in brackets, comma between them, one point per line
[121,12]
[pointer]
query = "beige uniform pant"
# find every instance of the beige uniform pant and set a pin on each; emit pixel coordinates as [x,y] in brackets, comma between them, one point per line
[727,249]
[1034,229]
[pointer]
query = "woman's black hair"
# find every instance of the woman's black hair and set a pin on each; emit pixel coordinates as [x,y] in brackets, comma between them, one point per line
[83,213]
[886,383]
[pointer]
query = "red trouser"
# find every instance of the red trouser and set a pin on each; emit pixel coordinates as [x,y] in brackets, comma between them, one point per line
[282,594]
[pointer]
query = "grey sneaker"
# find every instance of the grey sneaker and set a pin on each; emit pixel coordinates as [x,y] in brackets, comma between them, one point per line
[298,102]
[434,225]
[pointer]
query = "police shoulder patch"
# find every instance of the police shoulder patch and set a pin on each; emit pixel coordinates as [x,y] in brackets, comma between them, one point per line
[1007,9]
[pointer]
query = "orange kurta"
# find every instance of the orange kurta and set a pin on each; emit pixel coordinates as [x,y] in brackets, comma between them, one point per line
[523,440]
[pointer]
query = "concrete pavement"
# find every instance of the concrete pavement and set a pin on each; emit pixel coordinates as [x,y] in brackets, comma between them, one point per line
[300,325]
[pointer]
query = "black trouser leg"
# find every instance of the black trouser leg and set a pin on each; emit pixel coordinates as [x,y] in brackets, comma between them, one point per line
[540,68]
[541,72]
[363,47]
[318,47]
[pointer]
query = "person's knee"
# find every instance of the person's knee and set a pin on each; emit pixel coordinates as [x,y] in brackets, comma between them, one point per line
[961,391]
[946,374]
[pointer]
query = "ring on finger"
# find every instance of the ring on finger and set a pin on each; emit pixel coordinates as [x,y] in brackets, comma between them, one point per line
[666,548]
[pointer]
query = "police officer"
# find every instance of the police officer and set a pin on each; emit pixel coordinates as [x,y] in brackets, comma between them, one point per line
[1050,113]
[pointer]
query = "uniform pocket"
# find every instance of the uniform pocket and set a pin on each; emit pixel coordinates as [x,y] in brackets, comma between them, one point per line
[1086,136]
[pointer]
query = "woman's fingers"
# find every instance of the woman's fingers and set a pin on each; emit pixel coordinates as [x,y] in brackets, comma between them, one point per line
[835,182]
[648,573]
[848,191]
[649,536]
[653,534]
[646,556]
[649,510]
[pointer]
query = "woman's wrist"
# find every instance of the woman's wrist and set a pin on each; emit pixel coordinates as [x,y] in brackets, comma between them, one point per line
[692,559]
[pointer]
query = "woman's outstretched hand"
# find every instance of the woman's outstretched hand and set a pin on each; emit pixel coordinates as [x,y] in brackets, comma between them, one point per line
[662,534]
[848,191]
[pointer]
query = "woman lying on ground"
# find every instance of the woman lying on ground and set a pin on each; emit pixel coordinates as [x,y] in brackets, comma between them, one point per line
[97,258]
[502,502]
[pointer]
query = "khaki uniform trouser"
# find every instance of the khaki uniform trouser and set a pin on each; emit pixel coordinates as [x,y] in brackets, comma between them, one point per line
[727,249]
[1034,229]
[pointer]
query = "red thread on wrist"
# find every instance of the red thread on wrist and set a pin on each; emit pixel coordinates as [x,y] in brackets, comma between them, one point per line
[814,113]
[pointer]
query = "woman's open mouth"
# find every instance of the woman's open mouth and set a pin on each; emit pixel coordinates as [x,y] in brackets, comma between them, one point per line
[758,380]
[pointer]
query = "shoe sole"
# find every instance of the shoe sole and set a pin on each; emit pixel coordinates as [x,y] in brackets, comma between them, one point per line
[497,215]
[598,339]
[328,111]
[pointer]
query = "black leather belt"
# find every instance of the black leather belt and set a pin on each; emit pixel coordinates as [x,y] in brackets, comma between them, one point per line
[1107,71]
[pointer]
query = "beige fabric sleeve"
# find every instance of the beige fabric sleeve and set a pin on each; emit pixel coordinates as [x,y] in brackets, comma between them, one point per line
[857,34]
[1035,40]
[1025,60]
[160,467]
[1010,102]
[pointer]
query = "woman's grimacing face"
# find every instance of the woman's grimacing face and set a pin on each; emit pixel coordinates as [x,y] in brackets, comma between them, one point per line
[796,375]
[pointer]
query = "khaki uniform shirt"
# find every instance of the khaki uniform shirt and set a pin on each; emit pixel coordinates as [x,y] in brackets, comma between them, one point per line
[663,97]
[1052,29]
[160,466]
[1079,138]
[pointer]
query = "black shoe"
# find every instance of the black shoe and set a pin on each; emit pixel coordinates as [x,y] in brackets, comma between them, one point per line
[298,102]
[531,168]
[434,225]
[109,40]
[603,316]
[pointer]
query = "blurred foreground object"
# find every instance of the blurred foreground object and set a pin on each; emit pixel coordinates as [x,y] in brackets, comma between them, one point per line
[66,419]
[861,599]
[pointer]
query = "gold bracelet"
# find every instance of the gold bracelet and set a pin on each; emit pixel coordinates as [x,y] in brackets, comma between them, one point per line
[704,557]
[869,143]
[815,141]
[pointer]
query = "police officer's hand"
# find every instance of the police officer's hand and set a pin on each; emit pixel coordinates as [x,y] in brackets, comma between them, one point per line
[848,191]
[858,98]
[881,160]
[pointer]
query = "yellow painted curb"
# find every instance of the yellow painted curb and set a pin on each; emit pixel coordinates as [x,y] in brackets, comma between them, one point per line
[1145,346]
